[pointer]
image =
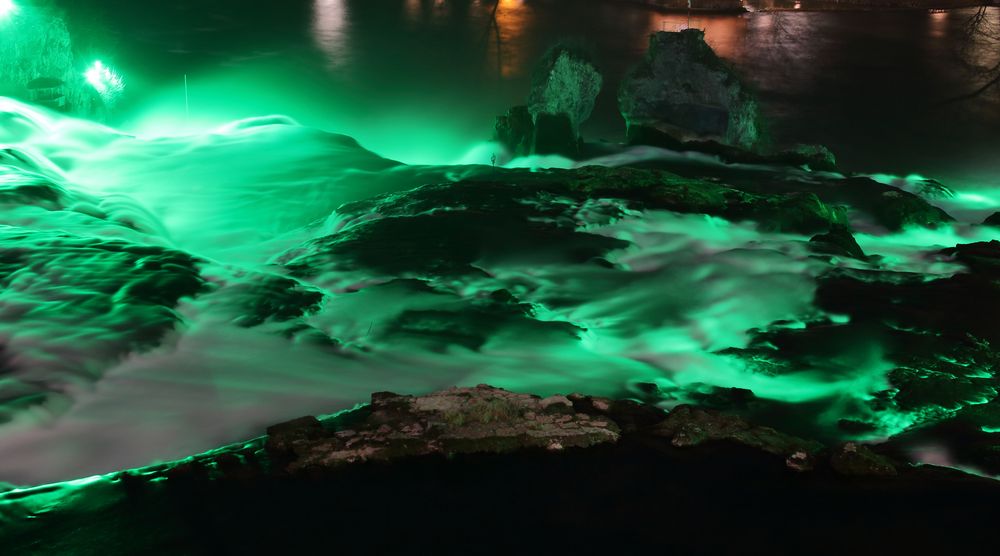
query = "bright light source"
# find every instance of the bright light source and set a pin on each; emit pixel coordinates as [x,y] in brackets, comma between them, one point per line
[7,7]
[107,82]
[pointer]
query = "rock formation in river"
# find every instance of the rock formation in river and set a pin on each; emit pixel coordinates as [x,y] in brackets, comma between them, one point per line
[565,82]
[564,88]
[684,89]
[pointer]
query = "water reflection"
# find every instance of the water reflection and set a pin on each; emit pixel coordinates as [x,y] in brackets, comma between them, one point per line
[329,29]
[511,18]
[938,24]
[725,34]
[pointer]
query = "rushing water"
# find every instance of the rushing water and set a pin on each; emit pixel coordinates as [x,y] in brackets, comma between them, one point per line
[102,372]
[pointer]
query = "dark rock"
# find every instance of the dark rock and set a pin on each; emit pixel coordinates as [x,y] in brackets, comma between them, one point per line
[488,221]
[724,398]
[690,426]
[516,131]
[921,388]
[684,89]
[898,210]
[982,257]
[453,421]
[992,220]
[857,460]
[790,212]
[933,189]
[631,416]
[816,157]
[957,307]
[639,134]
[855,426]
[284,438]
[890,207]
[565,82]
[264,297]
[554,135]
[838,241]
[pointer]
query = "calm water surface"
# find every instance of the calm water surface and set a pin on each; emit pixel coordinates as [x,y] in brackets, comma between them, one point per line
[421,80]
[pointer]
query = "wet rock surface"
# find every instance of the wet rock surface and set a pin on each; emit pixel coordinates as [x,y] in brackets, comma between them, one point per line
[856,460]
[838,241]
[466,464]
[454,421]
[565,82]
[564,88]
[685,90]
[689,426]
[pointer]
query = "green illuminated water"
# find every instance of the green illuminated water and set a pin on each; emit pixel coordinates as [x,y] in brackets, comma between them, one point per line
[151,354]
[178,281]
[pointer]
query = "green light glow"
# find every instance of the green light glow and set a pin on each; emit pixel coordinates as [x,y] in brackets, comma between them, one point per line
[106,81]
[7,8]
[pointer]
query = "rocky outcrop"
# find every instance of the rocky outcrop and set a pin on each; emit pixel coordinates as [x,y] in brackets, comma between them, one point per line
[554,135]
[683,89]
[857,460]
[490,420]
[564,87]
[467,465]
[838,241]
[453,421]
[515,130]
[565,82]
[812,157]
[690,426]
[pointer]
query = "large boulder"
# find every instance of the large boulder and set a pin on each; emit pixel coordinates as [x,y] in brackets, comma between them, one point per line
[684,89]
[565,82]
[516,131]
[838,241]
[564,88]
[554,135]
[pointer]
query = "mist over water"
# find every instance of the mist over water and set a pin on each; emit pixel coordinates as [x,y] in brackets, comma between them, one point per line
[104,372]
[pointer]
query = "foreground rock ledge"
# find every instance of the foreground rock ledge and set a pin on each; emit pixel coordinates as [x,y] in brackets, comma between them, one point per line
[454,421]
[482,470]
[490,420]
